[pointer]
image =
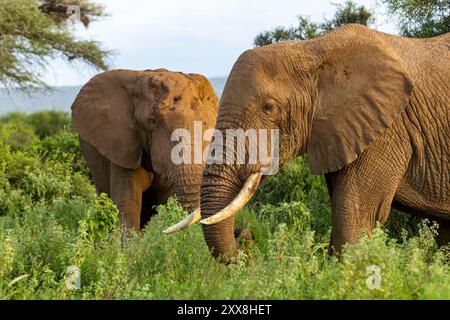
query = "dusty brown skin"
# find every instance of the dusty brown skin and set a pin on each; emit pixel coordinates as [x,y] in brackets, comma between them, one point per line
[370,110]
[125,120]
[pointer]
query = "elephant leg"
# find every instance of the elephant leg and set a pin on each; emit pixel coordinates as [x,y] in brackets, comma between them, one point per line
[127,186]
[362,193]
[99,167]
[357,206]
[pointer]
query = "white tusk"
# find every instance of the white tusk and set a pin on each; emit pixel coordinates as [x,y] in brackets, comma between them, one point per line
[186,222]
[239,202]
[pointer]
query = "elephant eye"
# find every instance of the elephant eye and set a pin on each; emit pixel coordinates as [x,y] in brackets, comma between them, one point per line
[267,106]
[177,98]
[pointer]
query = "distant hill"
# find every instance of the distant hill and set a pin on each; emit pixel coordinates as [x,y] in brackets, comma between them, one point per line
[218,83]
[60,98]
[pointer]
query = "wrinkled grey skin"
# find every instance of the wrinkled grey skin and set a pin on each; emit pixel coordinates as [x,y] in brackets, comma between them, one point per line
[370,110]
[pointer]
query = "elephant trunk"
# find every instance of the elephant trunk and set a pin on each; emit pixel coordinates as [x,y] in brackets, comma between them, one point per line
[220,186]
[225,190]
[187,180]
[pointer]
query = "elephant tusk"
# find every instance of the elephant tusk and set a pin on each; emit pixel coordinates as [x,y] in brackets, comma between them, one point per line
[186,222]
[239,202]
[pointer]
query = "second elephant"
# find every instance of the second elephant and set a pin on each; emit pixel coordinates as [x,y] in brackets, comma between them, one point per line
[125,120]
[370,110]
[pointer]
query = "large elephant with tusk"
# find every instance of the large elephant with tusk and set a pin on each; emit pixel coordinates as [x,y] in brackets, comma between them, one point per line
[370,110]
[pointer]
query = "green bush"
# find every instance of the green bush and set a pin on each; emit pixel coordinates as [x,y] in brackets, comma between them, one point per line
[64,147]
[18,135]
[292,265]
[49,123]
[103,220]
[46,134]
[43,123]
[296,183]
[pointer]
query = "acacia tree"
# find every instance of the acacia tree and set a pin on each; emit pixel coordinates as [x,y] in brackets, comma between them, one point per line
[32,32]
[420,18]
[349,12]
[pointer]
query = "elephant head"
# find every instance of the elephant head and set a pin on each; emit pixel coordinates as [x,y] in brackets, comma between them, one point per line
[329,97]
[130,115]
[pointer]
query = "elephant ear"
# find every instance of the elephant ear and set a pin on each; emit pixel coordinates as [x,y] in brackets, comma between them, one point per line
[102,114]
[362,87]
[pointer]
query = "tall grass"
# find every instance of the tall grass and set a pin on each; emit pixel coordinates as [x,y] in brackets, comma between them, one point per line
[51,218]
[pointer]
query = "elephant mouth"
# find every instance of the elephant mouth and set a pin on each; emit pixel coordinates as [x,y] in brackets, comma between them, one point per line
[245,194]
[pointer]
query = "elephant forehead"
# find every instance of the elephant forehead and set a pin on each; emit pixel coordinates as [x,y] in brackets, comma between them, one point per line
[178,87]
[172,79]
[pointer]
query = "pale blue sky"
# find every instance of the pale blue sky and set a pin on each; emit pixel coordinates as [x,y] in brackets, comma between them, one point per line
[203,36]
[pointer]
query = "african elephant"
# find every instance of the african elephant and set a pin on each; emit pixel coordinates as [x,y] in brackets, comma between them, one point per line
[370,110]
[125,120]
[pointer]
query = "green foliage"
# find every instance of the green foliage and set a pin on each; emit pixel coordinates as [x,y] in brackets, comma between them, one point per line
[103,219]
[43,123]
[289,262]
[64,147]
[48,123]
[350,12]
[57,141]
[17,134]
[420,18]
[33,31]
[305,30]
[296,184]
[51,218]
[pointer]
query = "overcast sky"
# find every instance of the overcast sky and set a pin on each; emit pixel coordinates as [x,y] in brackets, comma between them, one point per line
[203,36]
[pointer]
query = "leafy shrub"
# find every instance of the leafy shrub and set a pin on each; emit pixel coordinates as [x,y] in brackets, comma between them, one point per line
[13,117]
[43,123]
[46,133]
[18,135]
[293,264]
[48,123]
[103,219]
[296,183]
[64,147]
